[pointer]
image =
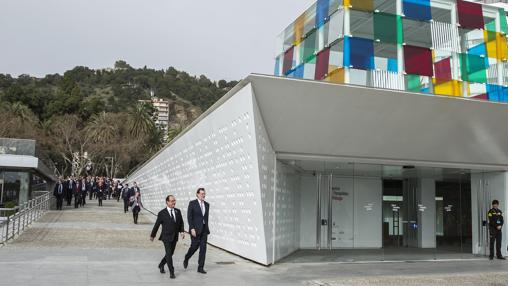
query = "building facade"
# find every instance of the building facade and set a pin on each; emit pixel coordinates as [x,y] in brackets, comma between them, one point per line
[22,174]
[161,115]
[392,150]
[446,47]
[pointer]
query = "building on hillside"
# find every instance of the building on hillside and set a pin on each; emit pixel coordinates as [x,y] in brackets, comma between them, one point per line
[161,115]
[382,137]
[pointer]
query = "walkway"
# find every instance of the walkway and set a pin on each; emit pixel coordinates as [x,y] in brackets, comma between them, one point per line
[101,246]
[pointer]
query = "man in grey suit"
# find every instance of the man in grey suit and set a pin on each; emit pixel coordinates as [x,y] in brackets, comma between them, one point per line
[172,224]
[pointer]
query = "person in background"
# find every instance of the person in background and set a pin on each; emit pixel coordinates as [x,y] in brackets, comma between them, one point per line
[126,194]
[136,207]
[496,221]
[101,190]
[58,192]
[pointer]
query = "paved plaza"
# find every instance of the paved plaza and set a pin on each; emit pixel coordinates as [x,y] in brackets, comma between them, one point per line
[101,246]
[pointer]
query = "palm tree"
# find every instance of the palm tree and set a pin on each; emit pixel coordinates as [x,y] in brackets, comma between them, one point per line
[140,121]
[101,128]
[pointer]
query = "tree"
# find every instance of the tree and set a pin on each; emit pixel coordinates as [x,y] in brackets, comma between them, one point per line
[141,120]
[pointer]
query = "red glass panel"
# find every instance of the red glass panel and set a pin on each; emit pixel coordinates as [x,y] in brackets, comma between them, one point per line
[322,61]
[443,69]
[288,60]
[470,15]
[418,60]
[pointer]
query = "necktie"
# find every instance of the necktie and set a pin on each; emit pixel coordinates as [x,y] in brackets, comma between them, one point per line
[172,216]
[202,207]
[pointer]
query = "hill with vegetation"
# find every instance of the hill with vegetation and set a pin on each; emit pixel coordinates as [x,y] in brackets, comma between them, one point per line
[94,117]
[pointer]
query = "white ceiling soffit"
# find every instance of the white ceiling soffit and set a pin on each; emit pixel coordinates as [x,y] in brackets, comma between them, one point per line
[323,119]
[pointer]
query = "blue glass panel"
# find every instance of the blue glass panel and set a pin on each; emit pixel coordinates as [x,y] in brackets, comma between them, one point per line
[417,9]
[322,9]
[392,65]
[497,92]
[277,66]
[479,50]
[361,53]
[347,53]
[298,73]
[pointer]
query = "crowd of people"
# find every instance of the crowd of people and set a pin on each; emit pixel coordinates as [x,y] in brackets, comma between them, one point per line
[95,188]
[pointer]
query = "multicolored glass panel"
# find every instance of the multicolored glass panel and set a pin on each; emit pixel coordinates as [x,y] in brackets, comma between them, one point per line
[444,47]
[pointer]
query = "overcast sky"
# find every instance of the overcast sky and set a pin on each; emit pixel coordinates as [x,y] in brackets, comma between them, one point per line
[219,38]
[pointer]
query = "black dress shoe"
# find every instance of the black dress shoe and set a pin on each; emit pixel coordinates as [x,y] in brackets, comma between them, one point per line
[172,275]
[202,271]
[185,263]
[501,258]
[491,258]
[161,268]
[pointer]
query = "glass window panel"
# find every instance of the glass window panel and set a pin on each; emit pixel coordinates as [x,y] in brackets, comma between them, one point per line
[358,77]
[497,93]
[335,27]
[476,90]
[479,50]
[490,43]
[362,24]
[473,68]
[309,71]
[298,29]
[450,87]
[413,83]
[389,7]
[443,69]
[322,61]
[417,9]
[336,56]
[502,21]
[322,10]
[417,33]
[310,20]
[491,26]
[362,5]
[385,56]
[309,47]
[388,28]
[298,72]
[288,60]
[277,71]
[470,15]
[418,60]
[361,53]
[336,76]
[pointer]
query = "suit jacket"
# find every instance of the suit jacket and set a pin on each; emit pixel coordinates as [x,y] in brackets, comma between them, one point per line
[55,190]
[170,228]
[195,217]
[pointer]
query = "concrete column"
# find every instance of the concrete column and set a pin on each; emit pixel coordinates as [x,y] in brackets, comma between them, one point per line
[426,194]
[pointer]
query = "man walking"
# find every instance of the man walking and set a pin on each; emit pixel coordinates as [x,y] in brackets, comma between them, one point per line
[197,217]
[496,221]
[172,224]
[58,192]
[126,195]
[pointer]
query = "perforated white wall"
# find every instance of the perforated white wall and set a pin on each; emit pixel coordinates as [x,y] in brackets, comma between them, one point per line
[266,164]
[220,154]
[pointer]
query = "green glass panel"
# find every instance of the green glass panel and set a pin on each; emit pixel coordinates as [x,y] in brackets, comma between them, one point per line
[388,28]
[502,17]
[473,68]
[308,47]
[491,26]
[413,83]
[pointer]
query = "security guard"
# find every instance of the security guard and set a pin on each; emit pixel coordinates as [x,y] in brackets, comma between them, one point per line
[496,221]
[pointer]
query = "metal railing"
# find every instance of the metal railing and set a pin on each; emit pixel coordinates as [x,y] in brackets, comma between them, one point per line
[12,225]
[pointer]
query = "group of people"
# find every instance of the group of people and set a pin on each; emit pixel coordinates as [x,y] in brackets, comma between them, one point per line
[173,226]
[79,188]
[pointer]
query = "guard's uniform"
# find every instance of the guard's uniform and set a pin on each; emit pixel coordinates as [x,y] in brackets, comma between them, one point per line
[495,217]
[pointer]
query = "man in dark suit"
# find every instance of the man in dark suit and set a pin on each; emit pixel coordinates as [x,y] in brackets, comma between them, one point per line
[197,217]
[172,224]
[69,190]
[58,192]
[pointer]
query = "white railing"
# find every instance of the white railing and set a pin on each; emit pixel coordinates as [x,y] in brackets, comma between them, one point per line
[11,226]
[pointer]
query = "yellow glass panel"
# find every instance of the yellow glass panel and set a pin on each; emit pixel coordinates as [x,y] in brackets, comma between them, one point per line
[502,47]
[496,45]
[346,4]
[362,5]
[452,87]
[336,76]
[298,26]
